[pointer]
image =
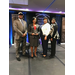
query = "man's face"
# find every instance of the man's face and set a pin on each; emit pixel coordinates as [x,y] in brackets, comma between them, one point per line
[53,20]
[45,21]
[20,16]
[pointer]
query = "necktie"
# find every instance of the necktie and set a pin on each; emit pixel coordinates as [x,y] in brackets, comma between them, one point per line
[22,22]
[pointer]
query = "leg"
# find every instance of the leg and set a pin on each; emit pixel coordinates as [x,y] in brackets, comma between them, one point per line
[24,45]
[31,51]
[42,38]
[42,42]
[17,48]
[42,46]
[35,51]
[53,47]
[45,44]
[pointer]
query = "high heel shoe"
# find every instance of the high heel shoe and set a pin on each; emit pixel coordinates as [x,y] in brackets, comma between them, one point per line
[43,56]
[35,56]
[31,56]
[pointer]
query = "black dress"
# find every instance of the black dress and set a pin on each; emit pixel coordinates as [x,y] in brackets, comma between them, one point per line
[33,39]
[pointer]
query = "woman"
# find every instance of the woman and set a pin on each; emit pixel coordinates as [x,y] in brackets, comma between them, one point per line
[54,36]
[34,31]
[45,30]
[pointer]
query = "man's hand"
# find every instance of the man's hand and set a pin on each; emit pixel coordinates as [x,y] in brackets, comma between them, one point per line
[36,33]
[45,38]
[24,35]
[51,39]
[32,33]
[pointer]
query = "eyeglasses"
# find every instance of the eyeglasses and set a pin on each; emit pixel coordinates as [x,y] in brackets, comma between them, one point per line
[34,20]
[45,20]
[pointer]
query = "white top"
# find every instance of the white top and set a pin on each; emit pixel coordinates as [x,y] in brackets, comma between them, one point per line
[46,29]
[20,19]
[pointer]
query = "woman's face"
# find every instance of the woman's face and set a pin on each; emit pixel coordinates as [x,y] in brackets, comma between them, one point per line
[53,20]
[45,21]
[34,21]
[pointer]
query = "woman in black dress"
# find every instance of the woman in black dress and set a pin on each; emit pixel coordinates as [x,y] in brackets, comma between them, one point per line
[34,31]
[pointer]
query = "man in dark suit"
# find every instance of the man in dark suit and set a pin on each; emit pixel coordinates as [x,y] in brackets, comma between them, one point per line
[20,27]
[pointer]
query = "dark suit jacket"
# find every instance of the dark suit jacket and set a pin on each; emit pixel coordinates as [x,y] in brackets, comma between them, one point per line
[55,29]
[31,30]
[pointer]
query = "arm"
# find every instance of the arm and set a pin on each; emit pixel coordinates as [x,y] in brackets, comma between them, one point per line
[38,30]
[29,30]
[55,29]
[41,32]
[16,28]
[26,29]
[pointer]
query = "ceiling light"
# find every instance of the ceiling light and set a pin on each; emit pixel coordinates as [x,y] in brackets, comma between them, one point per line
[60,11]
[27,9]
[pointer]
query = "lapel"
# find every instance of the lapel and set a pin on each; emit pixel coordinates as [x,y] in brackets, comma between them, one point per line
[33,26]
[20,23]
[24,24]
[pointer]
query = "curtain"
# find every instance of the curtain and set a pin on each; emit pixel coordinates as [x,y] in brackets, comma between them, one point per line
[10,28]
[25,18]
[59,23]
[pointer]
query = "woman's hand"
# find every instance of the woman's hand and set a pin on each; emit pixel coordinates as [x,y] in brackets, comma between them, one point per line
[32,33]
[45,38]
[51,39]
[36,33]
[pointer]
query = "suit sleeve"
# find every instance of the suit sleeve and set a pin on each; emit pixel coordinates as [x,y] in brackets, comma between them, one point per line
[16,28]
[26,29]
[39,30]
[55,29]
[29,30]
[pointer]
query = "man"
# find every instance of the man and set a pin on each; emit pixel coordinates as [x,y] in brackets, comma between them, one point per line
[54,36]
[45,30]
[20,27]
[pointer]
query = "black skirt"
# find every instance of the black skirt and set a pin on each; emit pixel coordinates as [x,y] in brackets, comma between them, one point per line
[34,40]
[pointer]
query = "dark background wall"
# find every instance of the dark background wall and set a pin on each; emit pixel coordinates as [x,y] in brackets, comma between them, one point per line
[28,18]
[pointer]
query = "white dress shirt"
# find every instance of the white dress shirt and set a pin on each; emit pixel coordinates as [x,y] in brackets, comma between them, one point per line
[21,20]
[46,29]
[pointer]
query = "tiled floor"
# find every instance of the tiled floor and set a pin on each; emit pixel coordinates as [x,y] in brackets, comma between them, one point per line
[39,65]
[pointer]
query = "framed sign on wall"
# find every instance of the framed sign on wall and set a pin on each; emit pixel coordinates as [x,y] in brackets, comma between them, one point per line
[63,30]
[14,17]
